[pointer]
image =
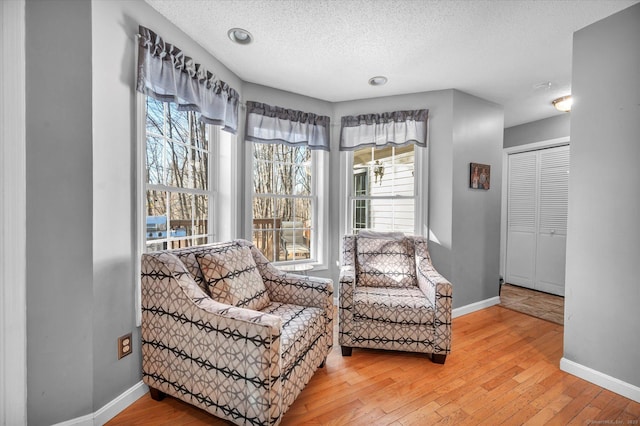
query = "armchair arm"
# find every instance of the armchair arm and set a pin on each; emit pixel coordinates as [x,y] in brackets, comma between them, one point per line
[439,291]
[296,289]
[292,288]
[347,286]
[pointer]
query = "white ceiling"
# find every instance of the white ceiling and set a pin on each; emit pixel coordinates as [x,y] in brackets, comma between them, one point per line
[328,49]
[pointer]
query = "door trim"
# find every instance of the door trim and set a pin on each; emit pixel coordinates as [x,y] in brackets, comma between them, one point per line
[13,230]
[534,146]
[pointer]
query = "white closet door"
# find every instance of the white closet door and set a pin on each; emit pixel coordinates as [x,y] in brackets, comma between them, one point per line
[552,226]
[521,219]
[537,198]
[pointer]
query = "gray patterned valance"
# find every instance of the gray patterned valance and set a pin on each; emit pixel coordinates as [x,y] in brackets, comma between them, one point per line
[377,130]
[272,124]
[166,74]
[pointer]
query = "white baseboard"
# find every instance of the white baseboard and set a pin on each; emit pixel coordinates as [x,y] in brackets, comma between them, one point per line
[467,309]
[111,409]
[603,380]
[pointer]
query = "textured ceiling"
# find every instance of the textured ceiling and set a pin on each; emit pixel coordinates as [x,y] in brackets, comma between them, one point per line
[328,49]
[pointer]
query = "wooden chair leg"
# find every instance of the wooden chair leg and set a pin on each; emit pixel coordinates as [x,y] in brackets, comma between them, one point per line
[346,350]
[156,394]
[438,358]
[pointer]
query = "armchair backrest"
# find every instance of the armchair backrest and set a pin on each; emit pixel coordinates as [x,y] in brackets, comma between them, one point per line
[383,259]
[188,256]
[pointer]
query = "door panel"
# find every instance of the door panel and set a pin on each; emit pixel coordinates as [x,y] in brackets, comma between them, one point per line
[550,263]
[520,258]
[521,220]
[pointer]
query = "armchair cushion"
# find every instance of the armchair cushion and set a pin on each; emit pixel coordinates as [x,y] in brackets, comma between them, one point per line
[392,305]
[385,262]
[302,326]
[233,278]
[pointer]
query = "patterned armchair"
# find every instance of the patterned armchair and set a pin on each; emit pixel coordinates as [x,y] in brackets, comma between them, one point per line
[391,297]
[224,330]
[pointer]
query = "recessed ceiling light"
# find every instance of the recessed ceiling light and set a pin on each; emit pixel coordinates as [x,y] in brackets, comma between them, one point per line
[240,36]
[378,80]
[563,104]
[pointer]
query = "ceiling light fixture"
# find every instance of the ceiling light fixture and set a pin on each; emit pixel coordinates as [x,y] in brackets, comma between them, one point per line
[379,80]
[240,36]
[563,104]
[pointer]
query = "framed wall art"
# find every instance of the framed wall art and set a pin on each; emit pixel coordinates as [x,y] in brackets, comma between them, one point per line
[479,176]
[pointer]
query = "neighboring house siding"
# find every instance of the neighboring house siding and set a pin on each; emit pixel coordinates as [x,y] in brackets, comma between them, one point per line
[381,211]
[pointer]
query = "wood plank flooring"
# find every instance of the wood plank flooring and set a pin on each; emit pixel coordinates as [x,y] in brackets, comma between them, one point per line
[537,303]
[503,370]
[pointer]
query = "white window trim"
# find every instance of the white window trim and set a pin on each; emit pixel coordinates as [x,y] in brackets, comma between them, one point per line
[319,182]
[13,230]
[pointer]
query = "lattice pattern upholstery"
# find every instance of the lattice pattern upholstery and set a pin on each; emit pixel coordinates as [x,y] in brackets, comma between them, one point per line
[233,278]
[385,262]
[414,317]
[243,365]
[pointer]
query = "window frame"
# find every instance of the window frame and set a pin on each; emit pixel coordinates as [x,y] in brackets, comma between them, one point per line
[319,207]
[212,134]
[141,189]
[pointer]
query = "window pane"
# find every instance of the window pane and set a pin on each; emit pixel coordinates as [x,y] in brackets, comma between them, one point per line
[302,182]
[200,169]
[204,240]
[390,171]
[262,151]
[156,246]
[303,211]
[155,116]
[180,214]
[176,244]
[283,179]
[267,240]
[262,177]
[263,208]
[155,166]
[156,217]
[201,215]
[178,124]
[385,214]
[295,240]
[284,209]
[199,134]
[178,159]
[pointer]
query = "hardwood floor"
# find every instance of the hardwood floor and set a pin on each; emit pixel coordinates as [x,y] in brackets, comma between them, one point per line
[503,370]
[537,303]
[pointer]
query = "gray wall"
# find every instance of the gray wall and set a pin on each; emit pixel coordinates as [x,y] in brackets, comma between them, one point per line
[114,25]
[59,210]
[541,130]
[81,124]
[477,137]
[602,319]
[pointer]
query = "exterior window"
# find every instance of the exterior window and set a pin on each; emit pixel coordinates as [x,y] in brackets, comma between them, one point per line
[383,193]
[284,202]
[177,178]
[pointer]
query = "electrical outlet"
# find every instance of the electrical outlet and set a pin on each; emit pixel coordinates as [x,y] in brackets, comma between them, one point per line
[124,345]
